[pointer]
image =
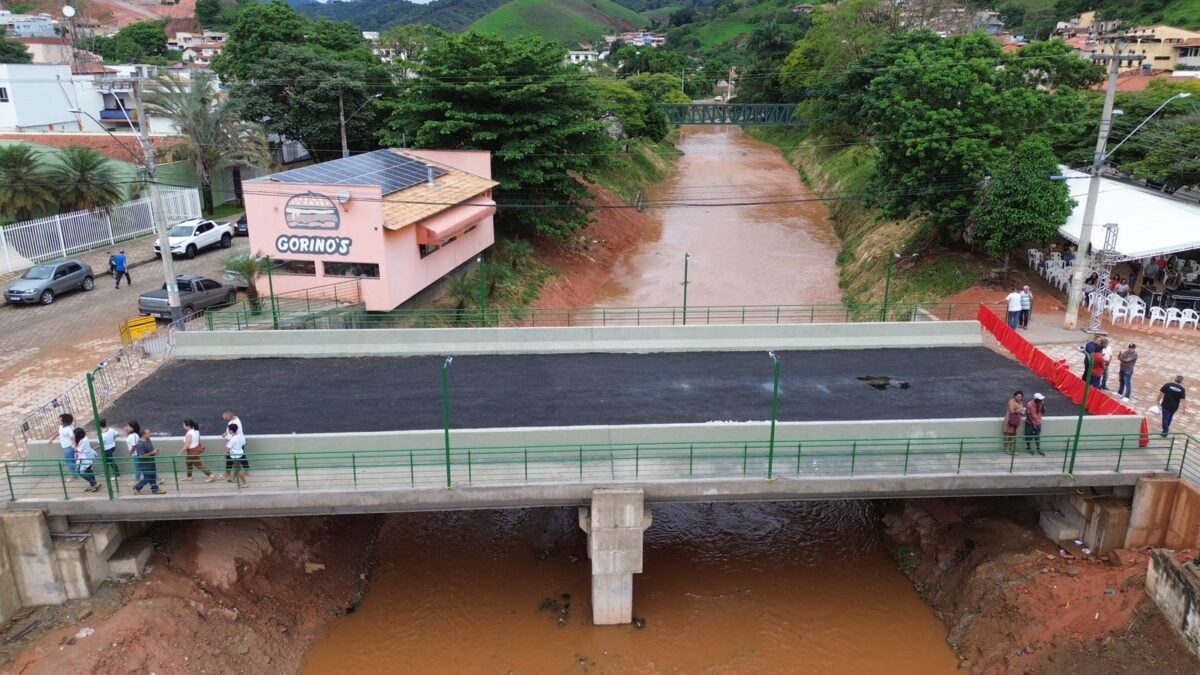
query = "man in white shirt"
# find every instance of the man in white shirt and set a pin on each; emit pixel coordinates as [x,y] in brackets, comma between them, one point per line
[235,448]
[232,419]
[1013,300]
[66,439]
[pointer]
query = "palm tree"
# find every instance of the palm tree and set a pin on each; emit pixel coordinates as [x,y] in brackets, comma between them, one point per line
[214,137]
[85,180]
[249,267]
[24,190]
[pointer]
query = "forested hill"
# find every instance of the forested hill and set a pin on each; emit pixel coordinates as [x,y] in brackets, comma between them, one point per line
[452,15]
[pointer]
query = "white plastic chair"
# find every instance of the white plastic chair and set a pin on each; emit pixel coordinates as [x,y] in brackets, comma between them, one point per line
[1157,314]
[1174,315]
[1136,310]
[1189,316]
[1035,257]
[1118,312]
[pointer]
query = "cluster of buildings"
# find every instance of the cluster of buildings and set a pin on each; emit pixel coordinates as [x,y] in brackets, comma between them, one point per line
[198,49]
[27,25]
[638,38]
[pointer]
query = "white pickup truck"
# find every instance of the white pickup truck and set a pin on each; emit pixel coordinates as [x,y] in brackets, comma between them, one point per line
[190,236]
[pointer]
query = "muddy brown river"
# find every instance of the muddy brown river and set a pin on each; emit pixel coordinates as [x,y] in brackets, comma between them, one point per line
[803,587]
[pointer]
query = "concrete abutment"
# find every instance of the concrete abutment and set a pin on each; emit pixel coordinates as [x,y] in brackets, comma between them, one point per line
[48,561]
[615,523]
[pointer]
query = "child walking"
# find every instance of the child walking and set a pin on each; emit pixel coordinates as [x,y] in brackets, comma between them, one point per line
[85,457]
[235,448]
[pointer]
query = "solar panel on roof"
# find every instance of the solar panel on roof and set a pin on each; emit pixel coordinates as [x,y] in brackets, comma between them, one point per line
[391,171]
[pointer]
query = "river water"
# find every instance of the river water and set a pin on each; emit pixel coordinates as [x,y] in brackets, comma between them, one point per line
[727,588]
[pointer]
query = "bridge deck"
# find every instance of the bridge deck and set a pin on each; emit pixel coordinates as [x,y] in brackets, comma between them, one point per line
[397,480]
[309,396]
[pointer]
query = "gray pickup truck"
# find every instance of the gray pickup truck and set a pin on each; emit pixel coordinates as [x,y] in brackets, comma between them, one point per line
[195,293]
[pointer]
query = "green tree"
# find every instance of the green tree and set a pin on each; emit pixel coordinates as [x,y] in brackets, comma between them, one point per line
[1021,204]
[13,52]
[336,36]
[258,28]
[515,98]
[207,12]
[945,110]
[85,180]
[1172,158]
[135,43]
[24,187]
[249,267]
[408,43]
[638,116]
[659,87]
[1013,15]
[294,91]
[213,135]
[839,36]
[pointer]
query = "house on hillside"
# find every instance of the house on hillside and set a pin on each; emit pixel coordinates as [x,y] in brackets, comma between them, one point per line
[582,57]
[27,25]
[1158,46]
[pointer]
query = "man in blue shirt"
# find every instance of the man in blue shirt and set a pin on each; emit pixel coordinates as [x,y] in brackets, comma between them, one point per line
[120,268]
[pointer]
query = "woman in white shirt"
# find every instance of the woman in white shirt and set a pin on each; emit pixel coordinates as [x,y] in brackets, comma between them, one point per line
[86,455]
[193,448]
[133,435]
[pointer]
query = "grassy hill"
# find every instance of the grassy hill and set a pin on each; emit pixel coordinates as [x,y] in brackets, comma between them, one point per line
[451,15]
[566,21]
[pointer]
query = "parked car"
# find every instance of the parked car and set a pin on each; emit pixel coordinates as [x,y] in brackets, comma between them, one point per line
[195,293]
[242,227]
[191,236]
[42,283]
[236,280]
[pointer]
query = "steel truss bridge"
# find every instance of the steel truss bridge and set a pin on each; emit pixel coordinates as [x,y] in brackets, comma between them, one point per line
[740,114]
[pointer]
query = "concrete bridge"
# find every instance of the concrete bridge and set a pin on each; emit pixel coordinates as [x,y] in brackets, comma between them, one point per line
[606,419]
[735,114]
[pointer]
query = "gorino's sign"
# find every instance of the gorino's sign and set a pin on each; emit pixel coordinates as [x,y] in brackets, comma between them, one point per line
[312,211]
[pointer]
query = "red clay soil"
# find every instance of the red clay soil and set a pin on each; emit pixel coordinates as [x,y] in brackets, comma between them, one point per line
[239,596]
[1015,602]
[586,262]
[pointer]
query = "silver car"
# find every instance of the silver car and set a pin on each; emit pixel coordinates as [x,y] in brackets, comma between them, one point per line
[42,283]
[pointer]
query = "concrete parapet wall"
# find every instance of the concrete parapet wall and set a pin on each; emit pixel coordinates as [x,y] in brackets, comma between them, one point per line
[1165,512]
[1175,589]
[616,339]
[718,432]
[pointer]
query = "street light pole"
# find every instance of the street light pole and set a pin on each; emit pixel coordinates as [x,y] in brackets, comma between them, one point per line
[446,412]
[686,259]
[157,213]
[482,293]
[1084,257]
[774,417]
[887,288]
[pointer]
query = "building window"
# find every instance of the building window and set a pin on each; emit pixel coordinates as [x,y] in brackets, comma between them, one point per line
[303,268]
[351,269]
[3,95]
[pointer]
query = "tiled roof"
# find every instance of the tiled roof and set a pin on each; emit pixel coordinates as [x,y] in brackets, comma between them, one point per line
[420,201]
[125,150]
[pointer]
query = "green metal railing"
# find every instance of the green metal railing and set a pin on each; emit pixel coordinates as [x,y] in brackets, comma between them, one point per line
[294,314]
[49,479]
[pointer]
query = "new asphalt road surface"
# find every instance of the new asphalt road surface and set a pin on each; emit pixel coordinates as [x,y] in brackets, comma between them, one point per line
[305,396]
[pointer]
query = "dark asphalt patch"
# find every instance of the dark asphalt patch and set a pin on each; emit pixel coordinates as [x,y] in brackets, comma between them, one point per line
[305,396]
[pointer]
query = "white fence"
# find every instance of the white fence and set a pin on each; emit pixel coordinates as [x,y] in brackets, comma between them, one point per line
[27,243]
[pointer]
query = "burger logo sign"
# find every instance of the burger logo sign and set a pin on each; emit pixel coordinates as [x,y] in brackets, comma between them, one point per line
[316,212]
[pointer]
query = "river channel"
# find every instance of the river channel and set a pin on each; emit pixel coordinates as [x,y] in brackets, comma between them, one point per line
[801,587]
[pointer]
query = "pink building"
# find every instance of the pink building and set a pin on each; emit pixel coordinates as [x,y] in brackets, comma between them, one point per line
[398,220]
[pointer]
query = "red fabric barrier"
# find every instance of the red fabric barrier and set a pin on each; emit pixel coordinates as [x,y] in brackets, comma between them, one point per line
[1057,373]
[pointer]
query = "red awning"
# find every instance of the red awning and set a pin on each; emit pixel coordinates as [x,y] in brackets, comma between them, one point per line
[453,221]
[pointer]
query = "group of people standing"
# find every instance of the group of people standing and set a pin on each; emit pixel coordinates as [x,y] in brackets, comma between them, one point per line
[1020,307]
[80,456]
[1098,356]
[1030,414]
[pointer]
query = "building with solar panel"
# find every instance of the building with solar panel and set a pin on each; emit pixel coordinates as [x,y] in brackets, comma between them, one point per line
[397,220]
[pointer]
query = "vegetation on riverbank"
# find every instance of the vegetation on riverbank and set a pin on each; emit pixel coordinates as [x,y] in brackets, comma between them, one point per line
[643,164]
[842,176]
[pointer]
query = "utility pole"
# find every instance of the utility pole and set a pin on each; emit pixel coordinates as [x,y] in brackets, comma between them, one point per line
[156,207]
[1083,259]
[342,124]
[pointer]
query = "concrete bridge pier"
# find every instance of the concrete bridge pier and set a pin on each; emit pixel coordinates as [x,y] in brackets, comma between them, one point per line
[614,524]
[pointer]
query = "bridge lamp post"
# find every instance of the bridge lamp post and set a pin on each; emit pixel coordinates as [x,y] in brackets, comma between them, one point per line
[1087,385]
[686,259]
[887,285]
[446,412]
[482,293]
[774,417]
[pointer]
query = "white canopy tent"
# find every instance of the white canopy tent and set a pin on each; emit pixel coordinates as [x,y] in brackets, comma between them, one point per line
[1149,223]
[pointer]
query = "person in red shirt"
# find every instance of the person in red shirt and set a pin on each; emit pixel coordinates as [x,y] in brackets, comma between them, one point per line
[1034,412]
[1099,363]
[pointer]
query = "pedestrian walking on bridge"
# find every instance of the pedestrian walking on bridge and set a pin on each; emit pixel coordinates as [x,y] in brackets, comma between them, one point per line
[1034,412]
[146,452]
[193,448]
